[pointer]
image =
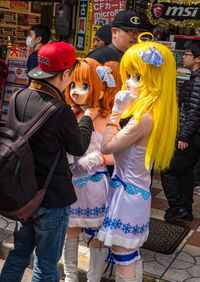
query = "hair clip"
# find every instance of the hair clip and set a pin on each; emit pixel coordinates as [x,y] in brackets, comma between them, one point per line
[104,74]
[152,56]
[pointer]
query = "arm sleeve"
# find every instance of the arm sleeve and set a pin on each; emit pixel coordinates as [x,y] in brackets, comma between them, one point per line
[75,137]
[192,116]
[114,141]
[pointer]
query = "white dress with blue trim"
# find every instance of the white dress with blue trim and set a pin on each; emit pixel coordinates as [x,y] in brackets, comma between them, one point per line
[91,191]
[127,217]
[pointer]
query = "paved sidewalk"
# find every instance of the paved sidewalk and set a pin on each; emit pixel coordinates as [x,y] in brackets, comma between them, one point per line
[182,266]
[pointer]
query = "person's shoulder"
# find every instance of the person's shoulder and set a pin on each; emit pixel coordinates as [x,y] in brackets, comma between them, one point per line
[100,53]
[34,54]
[147,121]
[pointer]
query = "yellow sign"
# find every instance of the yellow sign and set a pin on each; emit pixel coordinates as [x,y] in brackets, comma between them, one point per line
[4,4]
[94,30]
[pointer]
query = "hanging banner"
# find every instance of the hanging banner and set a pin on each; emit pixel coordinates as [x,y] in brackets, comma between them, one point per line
[82,38]
[105,11]
[179,13]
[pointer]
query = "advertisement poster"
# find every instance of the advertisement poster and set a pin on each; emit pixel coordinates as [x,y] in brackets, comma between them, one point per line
[17,79]
[82,38]
[103,12]
[9,91]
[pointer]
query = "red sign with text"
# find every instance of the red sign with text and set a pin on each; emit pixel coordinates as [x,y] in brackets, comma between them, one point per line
[105,11]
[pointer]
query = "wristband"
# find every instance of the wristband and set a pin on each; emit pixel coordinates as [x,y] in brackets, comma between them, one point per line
[104,160]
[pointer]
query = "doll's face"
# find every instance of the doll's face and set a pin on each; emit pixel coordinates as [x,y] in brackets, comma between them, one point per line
[79,92]
[132,83]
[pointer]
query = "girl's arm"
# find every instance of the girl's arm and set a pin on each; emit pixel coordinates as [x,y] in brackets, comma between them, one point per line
[132,133]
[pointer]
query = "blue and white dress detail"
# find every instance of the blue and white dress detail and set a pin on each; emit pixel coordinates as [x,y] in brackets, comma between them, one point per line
[128,205]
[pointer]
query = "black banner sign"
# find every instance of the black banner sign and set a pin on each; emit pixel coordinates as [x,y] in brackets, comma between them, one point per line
[176,13]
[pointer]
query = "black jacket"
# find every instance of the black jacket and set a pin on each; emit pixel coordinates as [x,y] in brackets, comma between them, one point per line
[106,54]
[190,108]
[60,131]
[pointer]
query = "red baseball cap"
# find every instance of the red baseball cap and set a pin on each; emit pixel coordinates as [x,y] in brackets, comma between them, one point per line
[53,58]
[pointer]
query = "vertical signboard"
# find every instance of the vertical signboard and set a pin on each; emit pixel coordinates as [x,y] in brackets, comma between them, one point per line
[82,39]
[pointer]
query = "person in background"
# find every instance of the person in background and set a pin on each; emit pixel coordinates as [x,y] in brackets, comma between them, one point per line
[147,138]
[125,28]
[39,35]
[45,230]
[178,180]
[103,36]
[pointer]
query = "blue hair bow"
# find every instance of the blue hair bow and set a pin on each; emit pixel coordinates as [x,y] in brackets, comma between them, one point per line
[152,56]
[104,74]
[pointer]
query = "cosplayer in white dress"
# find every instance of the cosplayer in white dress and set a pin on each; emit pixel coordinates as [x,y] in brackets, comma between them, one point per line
[149,136]
[93,85]
[91,190]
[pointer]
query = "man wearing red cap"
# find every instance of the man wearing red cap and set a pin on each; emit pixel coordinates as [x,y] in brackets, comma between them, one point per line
[45,230]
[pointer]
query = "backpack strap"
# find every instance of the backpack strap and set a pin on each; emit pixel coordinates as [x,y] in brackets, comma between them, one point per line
[29,127]
[51,171]
[45,88]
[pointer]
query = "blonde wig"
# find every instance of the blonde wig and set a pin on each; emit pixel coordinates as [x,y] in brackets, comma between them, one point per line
[86,72]
[157,94]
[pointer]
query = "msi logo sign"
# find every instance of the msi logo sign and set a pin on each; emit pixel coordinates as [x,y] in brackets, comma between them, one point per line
[168,10]
[182,11]
[158,10]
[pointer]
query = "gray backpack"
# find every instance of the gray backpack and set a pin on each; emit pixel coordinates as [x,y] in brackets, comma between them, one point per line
[19,193]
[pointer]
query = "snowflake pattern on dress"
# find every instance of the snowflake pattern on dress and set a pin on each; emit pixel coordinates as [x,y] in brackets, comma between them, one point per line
[126,228]
[131,189]
[88,212]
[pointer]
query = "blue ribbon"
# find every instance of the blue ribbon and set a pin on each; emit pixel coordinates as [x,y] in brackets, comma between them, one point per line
[152,56]
[131,189]
[109,260]
[112,257]
[90,232]
[104,74]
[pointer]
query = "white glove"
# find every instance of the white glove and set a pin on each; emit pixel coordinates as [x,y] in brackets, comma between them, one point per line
[70,158]
[123,101]
[88,162]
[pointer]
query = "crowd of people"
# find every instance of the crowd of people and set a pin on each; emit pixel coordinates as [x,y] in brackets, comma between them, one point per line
[119,119]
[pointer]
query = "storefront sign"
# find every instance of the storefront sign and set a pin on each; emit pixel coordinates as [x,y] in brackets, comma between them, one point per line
[17,76]
[168,44]
[20,6]
[105,11]
[178,13]
[82,39]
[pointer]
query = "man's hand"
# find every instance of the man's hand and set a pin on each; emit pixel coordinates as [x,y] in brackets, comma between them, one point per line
[182,145]
[92,113]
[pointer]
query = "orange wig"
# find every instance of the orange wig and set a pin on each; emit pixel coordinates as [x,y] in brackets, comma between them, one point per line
[86,72]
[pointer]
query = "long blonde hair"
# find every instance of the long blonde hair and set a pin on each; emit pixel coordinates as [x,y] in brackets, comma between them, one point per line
[157,95]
